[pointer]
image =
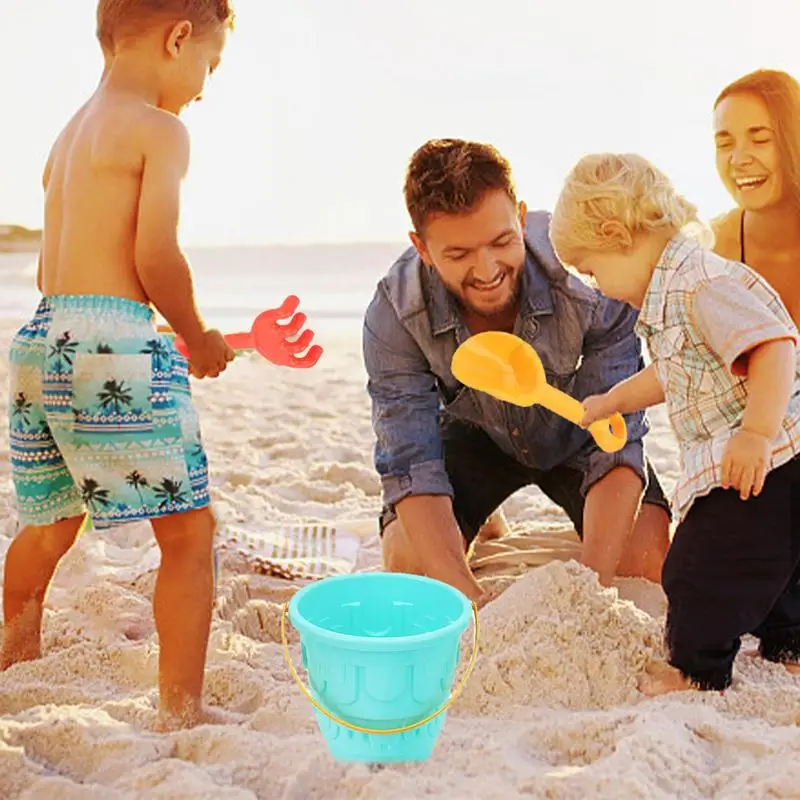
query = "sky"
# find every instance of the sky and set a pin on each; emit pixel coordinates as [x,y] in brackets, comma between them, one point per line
[305,131]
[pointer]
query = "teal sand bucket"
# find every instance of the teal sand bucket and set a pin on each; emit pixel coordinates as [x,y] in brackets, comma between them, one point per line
[381,651]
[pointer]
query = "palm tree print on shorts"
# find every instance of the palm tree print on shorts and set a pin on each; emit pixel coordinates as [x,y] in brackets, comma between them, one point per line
[137,482]
[115,395]
[170,492]
[63,352]
[160,354]
[20,411]
[93,495]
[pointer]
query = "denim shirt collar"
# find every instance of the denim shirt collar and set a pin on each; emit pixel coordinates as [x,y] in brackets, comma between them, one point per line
[536,294]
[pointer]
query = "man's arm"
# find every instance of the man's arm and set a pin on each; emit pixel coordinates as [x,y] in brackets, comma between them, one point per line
[409,454]
[612,351]
[160,264]
[612,354]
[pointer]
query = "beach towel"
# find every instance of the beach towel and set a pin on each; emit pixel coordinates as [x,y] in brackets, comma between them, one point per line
[522,550]
[292,552]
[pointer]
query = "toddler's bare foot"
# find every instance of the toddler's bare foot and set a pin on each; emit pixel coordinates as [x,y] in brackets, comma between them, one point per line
[168,722]
[661,678]
[789,666]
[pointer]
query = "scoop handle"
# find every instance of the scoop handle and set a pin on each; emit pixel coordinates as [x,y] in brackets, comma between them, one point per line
[560,403]
[610,433]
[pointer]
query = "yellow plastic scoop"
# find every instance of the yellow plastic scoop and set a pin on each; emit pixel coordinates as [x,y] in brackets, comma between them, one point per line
[508,368]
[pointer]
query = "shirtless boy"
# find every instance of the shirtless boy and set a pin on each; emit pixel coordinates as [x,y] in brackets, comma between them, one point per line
[102,421]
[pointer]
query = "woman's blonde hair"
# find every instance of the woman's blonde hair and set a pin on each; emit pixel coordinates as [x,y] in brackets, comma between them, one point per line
[621,188]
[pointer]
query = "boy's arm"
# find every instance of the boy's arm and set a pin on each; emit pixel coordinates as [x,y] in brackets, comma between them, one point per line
[160,264]
[48,169]
[637,393]
[752,341]
[770,382]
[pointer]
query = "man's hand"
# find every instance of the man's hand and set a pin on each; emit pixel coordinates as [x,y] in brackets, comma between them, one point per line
[209,355]
[745,463]
[596,406]
[492,593]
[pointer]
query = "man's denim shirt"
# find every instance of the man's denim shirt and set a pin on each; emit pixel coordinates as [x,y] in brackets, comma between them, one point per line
[412,328]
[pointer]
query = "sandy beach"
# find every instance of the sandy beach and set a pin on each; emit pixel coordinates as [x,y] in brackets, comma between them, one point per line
[551,709]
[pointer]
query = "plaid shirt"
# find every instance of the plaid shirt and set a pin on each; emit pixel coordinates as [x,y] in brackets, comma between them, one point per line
[700,315]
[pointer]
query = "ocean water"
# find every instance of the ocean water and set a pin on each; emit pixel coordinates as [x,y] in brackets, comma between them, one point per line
[233,284]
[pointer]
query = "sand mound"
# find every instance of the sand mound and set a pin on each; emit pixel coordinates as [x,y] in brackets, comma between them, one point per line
[556,638]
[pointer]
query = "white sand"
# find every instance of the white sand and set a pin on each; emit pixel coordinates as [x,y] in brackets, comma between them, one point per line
[550,711]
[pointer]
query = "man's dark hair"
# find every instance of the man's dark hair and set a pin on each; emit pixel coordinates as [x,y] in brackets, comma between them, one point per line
[451,176]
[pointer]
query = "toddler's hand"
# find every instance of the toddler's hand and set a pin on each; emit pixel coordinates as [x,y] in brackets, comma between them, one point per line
[745,463]
[596,406]
[210,355]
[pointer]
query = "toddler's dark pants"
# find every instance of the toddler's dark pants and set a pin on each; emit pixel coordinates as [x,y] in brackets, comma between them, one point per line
[734,568]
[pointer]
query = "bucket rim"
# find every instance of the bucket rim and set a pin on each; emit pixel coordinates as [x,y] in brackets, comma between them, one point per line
[304,625]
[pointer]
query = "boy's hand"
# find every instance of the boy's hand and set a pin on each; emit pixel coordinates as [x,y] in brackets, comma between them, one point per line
[596,406]
[745,463]
[209,355]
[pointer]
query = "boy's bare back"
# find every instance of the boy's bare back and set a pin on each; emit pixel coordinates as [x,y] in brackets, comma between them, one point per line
[100,199]
[113,178]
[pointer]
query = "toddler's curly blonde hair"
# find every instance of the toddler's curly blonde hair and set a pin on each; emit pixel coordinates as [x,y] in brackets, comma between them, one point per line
[621,188]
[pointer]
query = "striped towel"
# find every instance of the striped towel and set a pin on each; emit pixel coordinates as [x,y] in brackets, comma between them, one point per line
[293,552]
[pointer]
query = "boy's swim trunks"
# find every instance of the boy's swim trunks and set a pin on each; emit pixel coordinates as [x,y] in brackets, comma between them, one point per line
[101,419]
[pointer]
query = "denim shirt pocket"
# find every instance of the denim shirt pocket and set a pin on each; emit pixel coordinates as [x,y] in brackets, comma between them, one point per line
[462,403]
[560,353]
[562,376]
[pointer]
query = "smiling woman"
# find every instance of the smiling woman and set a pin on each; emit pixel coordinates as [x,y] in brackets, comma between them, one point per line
[757,135]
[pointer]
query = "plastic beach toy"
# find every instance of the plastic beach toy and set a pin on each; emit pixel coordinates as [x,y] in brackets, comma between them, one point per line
[381,651]
[270,338]
[508,368]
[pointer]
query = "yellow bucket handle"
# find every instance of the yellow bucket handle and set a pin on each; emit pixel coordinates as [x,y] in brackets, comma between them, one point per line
[405,728]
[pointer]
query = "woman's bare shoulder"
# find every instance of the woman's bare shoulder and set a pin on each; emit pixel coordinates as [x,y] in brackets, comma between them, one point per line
[726,232]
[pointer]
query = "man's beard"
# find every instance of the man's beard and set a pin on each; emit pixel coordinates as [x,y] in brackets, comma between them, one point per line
[488,313]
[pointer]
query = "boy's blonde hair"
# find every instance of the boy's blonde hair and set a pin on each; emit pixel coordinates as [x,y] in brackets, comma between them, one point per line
[623,188]
[120,19]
